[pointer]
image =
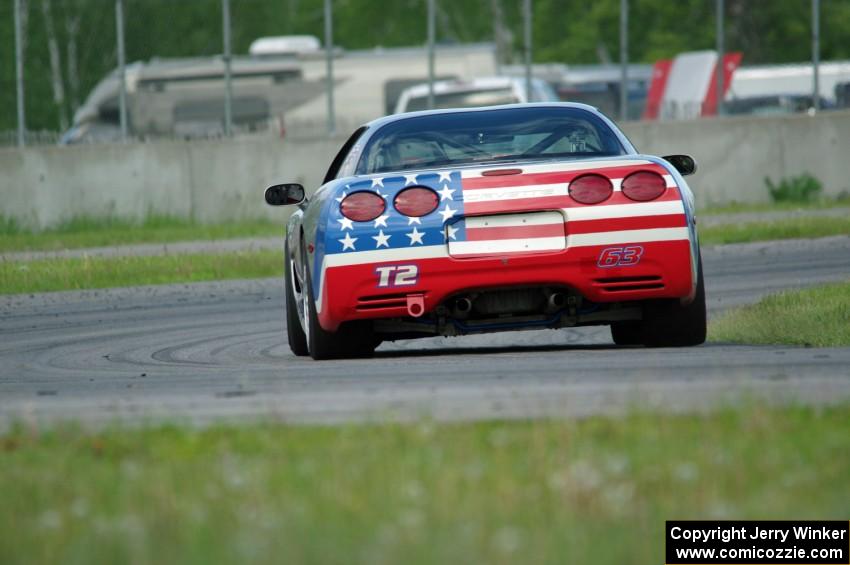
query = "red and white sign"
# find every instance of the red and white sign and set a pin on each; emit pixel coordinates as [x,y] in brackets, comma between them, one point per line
[686,87]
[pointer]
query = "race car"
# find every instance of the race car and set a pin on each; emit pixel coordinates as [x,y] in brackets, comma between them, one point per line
[467,221]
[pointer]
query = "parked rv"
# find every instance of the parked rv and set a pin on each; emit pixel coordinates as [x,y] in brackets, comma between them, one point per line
[186,98]
[281,83]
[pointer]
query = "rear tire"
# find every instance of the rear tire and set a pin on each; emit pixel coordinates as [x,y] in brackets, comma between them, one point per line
[352,339]
[627,333]
[670,324]
[294,331]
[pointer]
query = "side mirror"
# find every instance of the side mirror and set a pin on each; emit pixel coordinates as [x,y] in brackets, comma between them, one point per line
[685,164]
[284,194]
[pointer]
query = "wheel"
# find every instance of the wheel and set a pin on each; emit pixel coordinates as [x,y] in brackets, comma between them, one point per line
[670,324]
[294,331]
[352,339]
[627,333]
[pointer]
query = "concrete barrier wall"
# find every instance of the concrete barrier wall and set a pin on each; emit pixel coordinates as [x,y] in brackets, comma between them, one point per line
[734,155]
[208,181]
[213,181]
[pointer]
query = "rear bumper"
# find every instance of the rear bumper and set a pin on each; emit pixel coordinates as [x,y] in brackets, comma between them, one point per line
[352,292]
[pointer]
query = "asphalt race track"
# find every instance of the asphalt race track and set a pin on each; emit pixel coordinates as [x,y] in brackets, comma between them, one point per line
[213,351]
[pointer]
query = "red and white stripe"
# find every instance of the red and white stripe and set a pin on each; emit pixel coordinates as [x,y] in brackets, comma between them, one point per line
[546,186]
[511,233]
[617,220]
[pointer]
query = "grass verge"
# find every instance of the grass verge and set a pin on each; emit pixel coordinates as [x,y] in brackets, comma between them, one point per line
[86,273]
[816,317]
[738,207]
[86,232]
[100,272]
[590,491]
[789,228]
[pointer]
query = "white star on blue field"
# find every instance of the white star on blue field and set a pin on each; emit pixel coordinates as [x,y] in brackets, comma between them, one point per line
[393,230]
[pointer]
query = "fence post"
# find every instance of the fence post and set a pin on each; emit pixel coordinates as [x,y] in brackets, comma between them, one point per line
[19,75]
[228,79]
[526,13]
[624,59]
[721,54]
[816,54]
[122,66]
[329,48]
[431,33]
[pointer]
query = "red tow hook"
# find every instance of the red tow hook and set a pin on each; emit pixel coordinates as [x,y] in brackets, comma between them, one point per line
[415,305]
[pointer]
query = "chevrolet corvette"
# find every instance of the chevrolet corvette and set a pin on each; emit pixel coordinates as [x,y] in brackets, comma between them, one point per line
[502,218]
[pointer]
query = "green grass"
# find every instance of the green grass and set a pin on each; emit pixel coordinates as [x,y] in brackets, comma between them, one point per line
[590,491]
[46,275]
[85,273]
[817,317]
[804,227]
[738,207]
[86,232]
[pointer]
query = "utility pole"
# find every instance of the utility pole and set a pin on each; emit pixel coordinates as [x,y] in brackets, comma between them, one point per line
[122,67]
[816,54]
[721,55]
[431,33]
[499,34]
[19,75]
[526,12]
[329,64]
[624,59]
[228,79]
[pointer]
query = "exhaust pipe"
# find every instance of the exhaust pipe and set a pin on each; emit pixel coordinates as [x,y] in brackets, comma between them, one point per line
[556,301]
[463,305]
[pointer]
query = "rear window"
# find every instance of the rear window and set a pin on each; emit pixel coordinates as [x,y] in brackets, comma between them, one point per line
[502,135]
[467,99]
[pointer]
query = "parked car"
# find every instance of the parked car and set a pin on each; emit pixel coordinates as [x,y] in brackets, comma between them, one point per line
[473,93]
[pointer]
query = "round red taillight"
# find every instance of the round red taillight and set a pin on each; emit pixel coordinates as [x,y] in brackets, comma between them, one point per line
[590,189]
[643,186]
[416,201]
[362,206]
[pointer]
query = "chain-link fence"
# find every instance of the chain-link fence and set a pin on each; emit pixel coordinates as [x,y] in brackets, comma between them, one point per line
[81,71]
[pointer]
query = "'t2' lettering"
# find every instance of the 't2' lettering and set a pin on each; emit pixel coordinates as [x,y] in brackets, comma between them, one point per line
[397,275]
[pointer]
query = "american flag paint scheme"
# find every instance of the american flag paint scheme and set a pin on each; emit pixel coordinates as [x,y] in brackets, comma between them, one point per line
[503,246]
